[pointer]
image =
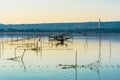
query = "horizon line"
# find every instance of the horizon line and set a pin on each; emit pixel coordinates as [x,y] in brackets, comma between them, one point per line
[57,22]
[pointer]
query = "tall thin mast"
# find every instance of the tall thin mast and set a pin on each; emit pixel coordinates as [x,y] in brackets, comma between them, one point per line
[99,26]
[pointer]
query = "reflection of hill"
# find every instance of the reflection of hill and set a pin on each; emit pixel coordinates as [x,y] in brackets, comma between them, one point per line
[63,27]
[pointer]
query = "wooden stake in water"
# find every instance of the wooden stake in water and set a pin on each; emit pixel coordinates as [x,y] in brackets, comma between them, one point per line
[23,54]
[76,59]
[76,66]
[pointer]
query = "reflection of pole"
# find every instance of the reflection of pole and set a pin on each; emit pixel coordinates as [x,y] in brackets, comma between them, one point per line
[99,59]
[23,65]
[37,50]
[41,48]
[0,51]
[15,52]
[86,44]
[34,42]
[99,48]
[43,38]
[17,40]
[110,50]
[99,71]
[2,47]
[12,40]
[76,66]
[72,39]
[76,59]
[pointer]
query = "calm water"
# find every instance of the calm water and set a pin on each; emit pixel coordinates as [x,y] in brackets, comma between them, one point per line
[34,57]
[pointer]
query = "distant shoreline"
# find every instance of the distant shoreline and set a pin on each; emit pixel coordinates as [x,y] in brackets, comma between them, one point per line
[88,28]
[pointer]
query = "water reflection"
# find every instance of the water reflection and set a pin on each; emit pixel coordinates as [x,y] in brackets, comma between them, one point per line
[61,54]
[86,44]
[110,48]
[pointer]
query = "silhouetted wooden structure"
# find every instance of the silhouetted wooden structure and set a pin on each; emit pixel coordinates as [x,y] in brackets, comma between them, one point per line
[60,37]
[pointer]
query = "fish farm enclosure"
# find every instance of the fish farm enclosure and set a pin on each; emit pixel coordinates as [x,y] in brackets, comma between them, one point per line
[59,57]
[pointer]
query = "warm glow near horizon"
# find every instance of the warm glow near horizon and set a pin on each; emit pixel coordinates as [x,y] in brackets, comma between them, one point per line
[52,11]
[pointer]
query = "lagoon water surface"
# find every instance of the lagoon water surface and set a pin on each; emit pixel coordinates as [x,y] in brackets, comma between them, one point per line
[36,57]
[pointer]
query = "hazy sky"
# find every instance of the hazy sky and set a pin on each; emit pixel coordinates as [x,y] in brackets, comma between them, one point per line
[47,11]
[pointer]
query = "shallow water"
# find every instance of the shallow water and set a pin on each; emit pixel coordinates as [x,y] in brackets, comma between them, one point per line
[34,57]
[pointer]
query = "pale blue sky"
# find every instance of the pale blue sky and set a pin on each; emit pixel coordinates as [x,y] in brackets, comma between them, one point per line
[47,11]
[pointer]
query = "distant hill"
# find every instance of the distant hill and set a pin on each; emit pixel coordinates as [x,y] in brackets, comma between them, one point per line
[63,27]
